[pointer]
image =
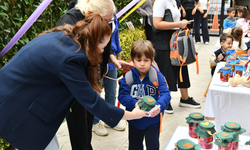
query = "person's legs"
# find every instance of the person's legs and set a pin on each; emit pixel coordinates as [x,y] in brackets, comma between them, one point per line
[110,93]
[79,122]
[185,100]
[189,16]
[135,138]
[53,145]
[152,138]
[204,25]
[197,22]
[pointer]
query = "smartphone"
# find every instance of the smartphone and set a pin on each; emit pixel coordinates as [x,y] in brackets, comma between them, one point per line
[190,20]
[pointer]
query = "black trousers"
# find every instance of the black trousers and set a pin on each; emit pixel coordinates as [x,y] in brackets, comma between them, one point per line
[136,137]
[188,16]
[80,123]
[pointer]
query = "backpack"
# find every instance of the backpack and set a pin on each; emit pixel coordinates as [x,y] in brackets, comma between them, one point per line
[182,50]
[152,73]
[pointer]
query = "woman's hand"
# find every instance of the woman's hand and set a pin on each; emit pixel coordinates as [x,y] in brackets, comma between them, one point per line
[120,63]
[183,23]
[137,113]
[183,13]
[205,15]
[202,11]
[193,11]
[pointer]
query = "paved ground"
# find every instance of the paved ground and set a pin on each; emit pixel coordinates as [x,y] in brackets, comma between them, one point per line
[119,140]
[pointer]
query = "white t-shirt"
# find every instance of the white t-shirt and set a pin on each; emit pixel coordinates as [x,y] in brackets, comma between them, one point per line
[203,4]
[161,5]
[242,47]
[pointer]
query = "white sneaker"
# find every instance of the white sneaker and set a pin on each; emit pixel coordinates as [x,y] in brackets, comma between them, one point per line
[118,127]
[99,129]
[198,43]
[206,43]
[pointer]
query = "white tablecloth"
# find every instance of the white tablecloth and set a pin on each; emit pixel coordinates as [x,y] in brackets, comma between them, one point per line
[182,133]
[227,103]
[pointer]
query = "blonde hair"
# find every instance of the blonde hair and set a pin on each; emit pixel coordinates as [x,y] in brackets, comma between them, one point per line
[102,7]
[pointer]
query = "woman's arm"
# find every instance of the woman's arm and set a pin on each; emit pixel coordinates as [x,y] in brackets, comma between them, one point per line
[196,7]
[208,8]
[163,25]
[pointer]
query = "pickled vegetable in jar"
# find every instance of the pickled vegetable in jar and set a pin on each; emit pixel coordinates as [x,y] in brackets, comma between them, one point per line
[231,67]
[224,140]
[224,74]
[239,69]
[236,130]
[193,121]
[205,132]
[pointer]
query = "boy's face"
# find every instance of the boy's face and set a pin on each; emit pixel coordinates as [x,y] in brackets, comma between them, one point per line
[231,14]
[142,65]
[227,44]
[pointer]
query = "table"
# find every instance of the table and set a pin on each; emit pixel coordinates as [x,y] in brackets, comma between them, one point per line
[182,133]
[226,103]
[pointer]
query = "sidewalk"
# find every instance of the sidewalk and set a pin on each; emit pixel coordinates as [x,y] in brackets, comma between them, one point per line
[119,140]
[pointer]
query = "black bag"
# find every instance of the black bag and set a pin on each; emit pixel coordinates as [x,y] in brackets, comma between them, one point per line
[167,17]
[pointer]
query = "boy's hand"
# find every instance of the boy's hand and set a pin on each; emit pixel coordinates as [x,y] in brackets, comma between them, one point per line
[220,57]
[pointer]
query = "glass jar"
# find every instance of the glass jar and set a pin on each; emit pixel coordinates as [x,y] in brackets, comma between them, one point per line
[193,121]
[231,59]
[192,127]
[205,132]
[231,52]
[231,67]
[224,74]
[206,143]
[239,69]
[235,129]
[228,147]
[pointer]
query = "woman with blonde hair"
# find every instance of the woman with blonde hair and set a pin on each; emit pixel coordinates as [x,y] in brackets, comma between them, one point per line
[79,120]
[44,77]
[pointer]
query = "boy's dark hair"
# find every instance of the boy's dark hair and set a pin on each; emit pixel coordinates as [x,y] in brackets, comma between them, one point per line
[224,37]
[142,47]
[230,9]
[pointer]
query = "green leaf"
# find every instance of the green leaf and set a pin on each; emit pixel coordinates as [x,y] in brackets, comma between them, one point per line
[3,14]
[4,7]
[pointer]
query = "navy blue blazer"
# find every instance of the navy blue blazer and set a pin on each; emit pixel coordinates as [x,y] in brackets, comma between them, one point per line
[37,87]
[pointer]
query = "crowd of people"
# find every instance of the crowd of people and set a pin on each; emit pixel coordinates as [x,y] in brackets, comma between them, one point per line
[63,78]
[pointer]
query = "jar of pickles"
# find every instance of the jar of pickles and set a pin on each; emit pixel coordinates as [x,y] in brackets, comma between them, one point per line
[205,132]
[223,140]
[231,52]
[186,144]
[231,59]
[235,128]
[231,67]
[224,74]
[193,121]
[239,68]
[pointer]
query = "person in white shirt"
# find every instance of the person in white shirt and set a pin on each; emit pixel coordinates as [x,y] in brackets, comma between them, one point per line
[162,49]
[201,18]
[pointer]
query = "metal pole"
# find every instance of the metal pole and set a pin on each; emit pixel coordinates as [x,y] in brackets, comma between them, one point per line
[222,15]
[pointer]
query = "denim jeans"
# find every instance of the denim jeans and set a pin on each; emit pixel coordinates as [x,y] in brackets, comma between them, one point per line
[53,145]
[109,88]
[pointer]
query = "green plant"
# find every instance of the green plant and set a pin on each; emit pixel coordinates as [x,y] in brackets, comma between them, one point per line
[127,38]
[3,144]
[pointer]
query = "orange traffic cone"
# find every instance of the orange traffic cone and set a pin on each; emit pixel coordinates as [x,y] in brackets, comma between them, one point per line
[215,25]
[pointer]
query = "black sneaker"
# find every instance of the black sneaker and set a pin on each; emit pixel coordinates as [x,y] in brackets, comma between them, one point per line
[190,102]
[169,110]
